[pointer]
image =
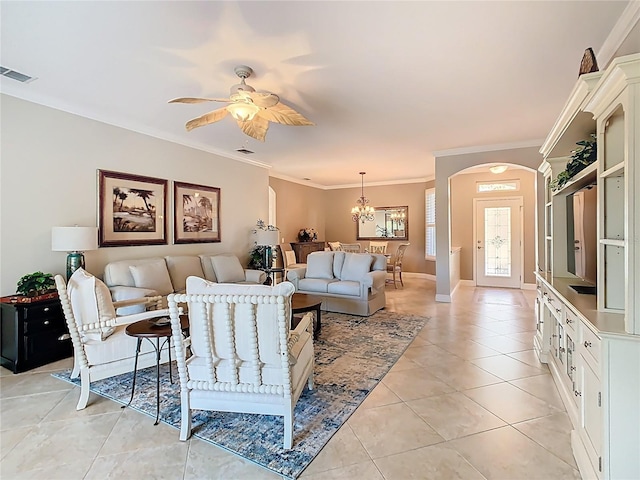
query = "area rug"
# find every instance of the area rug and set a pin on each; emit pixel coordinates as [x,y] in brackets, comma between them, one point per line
[352,355]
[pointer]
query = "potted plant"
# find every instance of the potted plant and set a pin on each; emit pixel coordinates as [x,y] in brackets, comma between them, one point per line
[36,283]
[581,157]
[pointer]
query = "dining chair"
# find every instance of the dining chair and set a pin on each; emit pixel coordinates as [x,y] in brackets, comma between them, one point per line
[378,247]
[351,247]
[395,265]
[289,258]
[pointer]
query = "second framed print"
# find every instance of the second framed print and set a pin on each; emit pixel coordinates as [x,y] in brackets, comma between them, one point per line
[196,213]
[133,210]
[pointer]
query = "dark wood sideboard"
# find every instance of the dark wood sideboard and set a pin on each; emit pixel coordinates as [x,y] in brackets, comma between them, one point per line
[302,249]
[33,334]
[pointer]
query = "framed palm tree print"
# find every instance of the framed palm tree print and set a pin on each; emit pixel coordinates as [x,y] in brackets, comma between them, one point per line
[196,213]
[132,210]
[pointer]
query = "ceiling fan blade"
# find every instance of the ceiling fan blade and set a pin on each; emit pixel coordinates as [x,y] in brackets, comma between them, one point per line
[264,99]
[280,113]
[198,100]
[207,118]
[256,128]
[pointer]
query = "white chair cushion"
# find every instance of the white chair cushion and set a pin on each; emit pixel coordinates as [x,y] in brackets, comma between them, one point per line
[152,275]
[319,285]
[118,347]
[356,266]
[91,302]
[320,265]
[181,267]
[227,268]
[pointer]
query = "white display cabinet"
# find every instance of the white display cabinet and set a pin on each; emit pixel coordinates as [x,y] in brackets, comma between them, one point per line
[592,342]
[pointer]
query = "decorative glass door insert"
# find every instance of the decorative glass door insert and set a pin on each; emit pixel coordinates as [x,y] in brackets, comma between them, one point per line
[497,241]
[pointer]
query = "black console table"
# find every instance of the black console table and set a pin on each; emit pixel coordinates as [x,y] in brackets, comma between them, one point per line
[33,334]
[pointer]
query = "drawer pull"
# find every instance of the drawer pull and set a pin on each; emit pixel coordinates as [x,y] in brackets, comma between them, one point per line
[587,344]
[569,321]
[46,322]
[557,310]
[46,309]
[550,300]
[562,350]
[573,369]
[66,336]
[577,393]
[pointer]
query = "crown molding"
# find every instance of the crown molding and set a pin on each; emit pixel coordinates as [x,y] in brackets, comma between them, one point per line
[628,19]
[488,148]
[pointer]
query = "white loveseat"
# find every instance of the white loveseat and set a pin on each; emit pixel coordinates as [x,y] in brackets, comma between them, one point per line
[347,282]
[129,279]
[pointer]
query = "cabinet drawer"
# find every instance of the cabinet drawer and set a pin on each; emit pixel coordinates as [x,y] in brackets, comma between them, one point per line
[555,305]
[45,310]
[571,320]
[44,347]
[590,345]
[44,324]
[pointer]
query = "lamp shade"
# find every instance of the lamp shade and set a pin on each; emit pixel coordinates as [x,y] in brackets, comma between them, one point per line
[74,239]
[267,237]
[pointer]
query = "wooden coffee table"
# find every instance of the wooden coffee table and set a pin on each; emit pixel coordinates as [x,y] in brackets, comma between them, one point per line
[301,303]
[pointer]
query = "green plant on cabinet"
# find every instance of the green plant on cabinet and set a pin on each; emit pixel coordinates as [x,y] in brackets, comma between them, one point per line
[35,283]
[581,157]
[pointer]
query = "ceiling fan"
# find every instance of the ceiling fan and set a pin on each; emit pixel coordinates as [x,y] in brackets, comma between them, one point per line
[252,110]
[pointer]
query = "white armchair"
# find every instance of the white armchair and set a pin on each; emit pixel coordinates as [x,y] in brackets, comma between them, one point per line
[101,348]
[243,356]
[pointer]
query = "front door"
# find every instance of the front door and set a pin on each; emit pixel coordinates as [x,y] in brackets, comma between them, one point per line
[498,250]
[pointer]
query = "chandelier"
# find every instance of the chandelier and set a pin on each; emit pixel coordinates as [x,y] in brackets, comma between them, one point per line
[362,211]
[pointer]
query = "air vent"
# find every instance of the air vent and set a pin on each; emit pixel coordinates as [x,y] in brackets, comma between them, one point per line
[245,151]
[21,77]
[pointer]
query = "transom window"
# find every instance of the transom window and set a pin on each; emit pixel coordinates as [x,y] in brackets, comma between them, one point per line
[501,186]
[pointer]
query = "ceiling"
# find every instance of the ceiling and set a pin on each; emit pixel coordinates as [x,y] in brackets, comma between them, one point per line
[386,83]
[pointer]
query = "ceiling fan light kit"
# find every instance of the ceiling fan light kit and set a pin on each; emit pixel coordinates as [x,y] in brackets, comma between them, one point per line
[250,109]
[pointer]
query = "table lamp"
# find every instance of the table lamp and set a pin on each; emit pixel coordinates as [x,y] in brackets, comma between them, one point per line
[75,241]
[266,239]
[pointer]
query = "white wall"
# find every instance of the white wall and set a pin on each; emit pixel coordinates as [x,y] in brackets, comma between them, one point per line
[48,177]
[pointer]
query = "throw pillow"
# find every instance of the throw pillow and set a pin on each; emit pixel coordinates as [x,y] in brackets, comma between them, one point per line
[91,303]
[181,267]
[320,265]
[153,275]
[227,268]
[356,266]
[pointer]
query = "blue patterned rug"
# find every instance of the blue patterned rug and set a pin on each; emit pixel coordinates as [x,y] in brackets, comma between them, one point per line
[352,355]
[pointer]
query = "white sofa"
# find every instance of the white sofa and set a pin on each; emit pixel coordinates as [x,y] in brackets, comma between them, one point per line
[129,279]
[347,282]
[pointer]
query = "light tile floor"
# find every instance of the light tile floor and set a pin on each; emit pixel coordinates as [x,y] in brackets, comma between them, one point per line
[468,400]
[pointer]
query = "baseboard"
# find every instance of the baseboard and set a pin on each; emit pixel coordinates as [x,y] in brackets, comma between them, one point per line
[443,298]
[427,276]
[467,283]
[528,286]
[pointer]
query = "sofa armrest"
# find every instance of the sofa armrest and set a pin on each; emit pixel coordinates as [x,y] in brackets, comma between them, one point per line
[374,280]
[296,273]
[255,276]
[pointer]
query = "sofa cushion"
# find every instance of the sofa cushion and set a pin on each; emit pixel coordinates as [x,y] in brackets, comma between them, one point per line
[91,302]
[338,261]
[319,285]
[350,288]
[153,275]
[379,262]
[320,265]
[181,267]
[227,268]
[356,266]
